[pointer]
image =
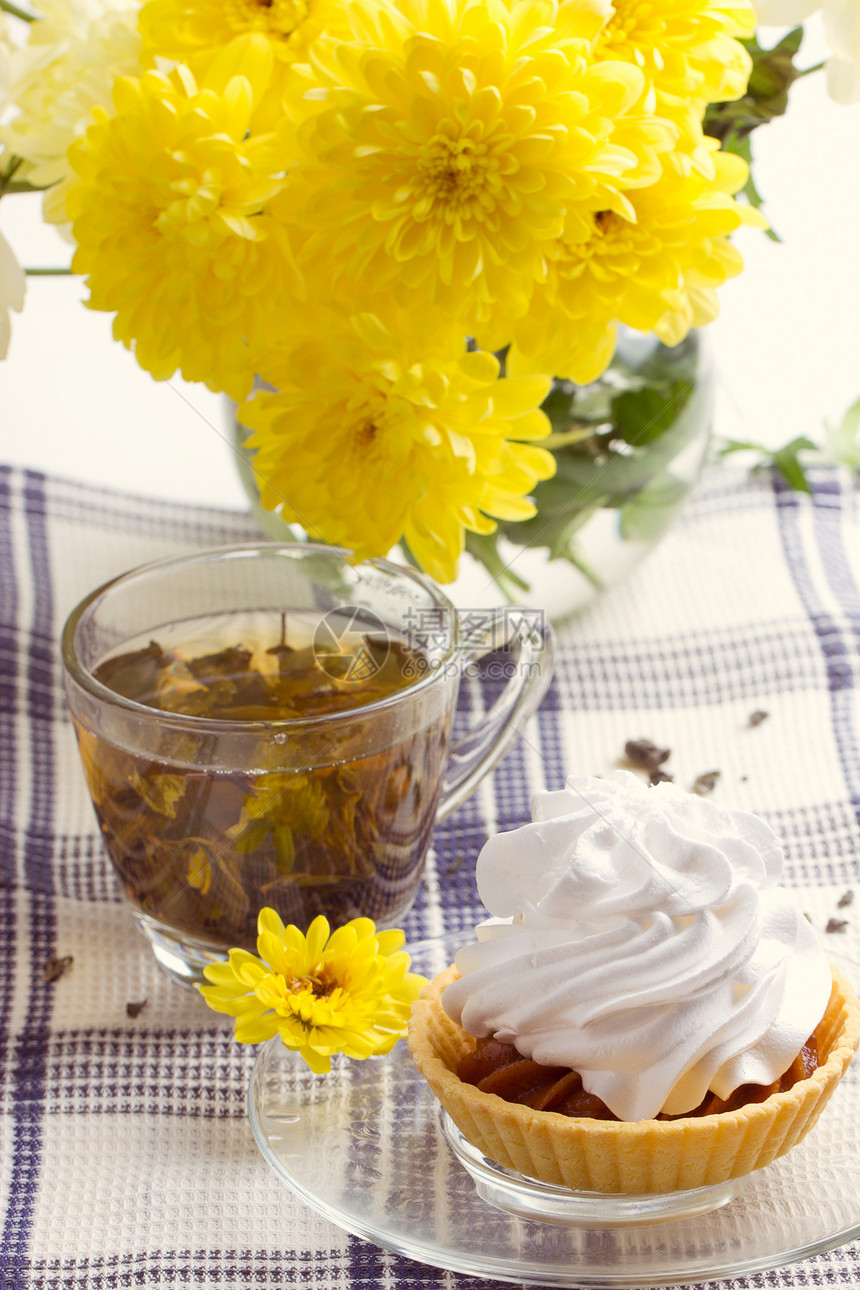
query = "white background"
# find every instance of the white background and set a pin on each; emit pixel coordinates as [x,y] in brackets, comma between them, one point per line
[786,346]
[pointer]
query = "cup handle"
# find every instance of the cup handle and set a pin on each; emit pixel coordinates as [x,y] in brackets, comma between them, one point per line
[474,754]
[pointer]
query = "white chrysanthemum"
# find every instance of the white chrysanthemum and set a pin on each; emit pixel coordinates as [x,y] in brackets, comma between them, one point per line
[68,67]
[6,55]
[12,283]
[841,27]
[5,62]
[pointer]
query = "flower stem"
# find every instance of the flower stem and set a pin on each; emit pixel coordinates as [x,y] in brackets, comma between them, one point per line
[48,273]
[18,186]
[483,548]
[27,15]
[8,182]
[562,438]
[584,568]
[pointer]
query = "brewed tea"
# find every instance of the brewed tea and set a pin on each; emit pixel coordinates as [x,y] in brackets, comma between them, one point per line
[315,822]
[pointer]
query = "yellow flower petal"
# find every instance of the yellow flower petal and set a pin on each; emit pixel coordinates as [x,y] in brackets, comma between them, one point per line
[317,935]
[390,941]
[268,920]
[248,60]
[519,395]
[319,1065]
[253,1029]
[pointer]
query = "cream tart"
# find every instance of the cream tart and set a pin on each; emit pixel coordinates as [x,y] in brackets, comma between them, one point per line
[642,951]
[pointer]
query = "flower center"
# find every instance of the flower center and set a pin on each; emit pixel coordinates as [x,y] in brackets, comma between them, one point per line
[456,172]
[611,237]
[189,217]
[318,986]
[279,18]
[633,23]
[378,426]
[365,435]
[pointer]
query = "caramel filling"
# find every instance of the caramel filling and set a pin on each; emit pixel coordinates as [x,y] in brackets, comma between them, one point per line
[495,1067]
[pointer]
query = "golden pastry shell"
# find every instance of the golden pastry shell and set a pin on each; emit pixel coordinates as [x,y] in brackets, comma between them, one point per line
[645,1156]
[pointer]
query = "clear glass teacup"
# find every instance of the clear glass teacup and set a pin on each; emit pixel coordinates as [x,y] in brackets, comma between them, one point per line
[270,724]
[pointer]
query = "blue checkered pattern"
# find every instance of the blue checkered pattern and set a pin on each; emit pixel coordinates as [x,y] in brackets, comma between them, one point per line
[127,1159]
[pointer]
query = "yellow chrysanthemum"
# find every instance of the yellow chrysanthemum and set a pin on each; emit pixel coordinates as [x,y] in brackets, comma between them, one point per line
[659,273]
[435,152]
[193,30]
[689,55]
[350,991]
[687,49]
[380,432]
[167,210]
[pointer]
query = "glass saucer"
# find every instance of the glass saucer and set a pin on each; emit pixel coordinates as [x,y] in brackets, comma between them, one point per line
[367,1147]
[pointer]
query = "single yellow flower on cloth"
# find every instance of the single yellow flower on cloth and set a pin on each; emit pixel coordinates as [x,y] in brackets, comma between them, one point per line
[434,153]
[379,432]
[348,991]
[659,273]
[168,211]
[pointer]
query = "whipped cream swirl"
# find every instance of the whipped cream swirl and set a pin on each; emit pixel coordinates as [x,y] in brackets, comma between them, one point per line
[645,943]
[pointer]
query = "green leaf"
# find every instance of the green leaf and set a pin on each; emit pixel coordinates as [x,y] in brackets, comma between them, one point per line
[727,446]
[562,509]
[773,73]
[843,440]
[611,467]
[787,462]
[641,416]
[785,459]
[647,517]
[611,439]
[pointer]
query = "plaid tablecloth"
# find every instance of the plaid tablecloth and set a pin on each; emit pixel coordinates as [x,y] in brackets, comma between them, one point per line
[127,1158]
